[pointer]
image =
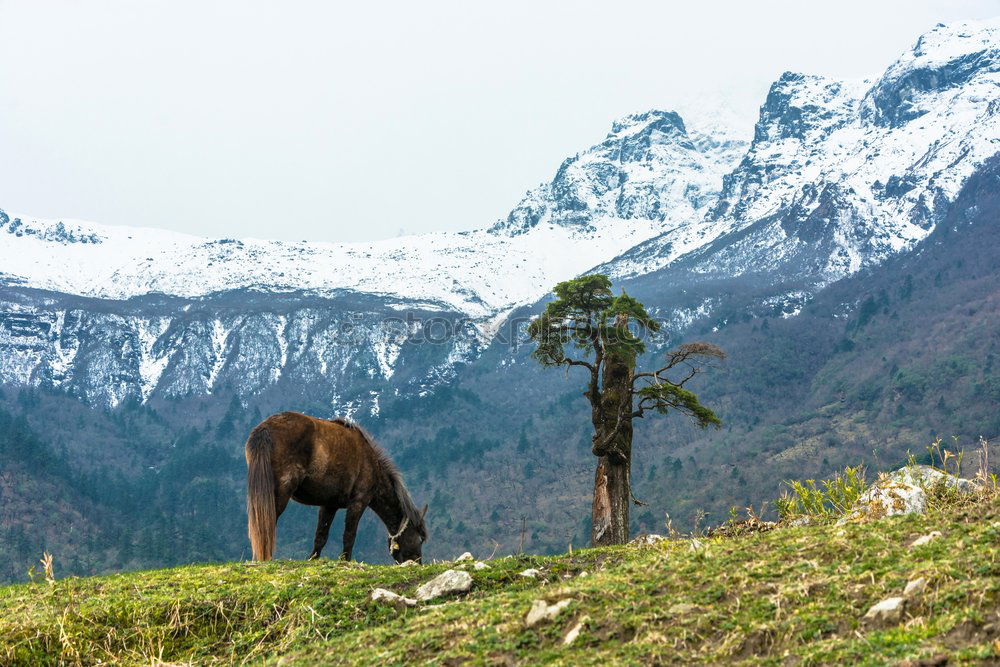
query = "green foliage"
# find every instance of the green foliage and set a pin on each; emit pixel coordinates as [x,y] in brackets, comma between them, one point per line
[839,494]
[668,397]
[585,316]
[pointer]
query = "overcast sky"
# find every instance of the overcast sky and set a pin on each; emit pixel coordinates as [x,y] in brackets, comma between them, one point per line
[315,120]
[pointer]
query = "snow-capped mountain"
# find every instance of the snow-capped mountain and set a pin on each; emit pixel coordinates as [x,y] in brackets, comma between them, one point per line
[648,174]
[127,313]
[840,174]
[649,168]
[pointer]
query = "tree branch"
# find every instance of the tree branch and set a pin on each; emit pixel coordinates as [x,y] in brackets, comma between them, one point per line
[574,362]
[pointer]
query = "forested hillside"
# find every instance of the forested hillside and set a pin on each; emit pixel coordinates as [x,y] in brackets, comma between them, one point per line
[876,365]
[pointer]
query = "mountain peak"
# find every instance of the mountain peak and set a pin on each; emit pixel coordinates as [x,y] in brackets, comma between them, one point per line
[654,119]
[946,57]
[797,104]
[947,41]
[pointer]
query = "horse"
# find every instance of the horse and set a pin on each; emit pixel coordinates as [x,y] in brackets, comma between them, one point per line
[333,464]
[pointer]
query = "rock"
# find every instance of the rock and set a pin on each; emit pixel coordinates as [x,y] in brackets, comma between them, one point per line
[904,492]
[697,545]
[924,539]
[915,587]
[530,573]
[390,598]
[543,611]
[408,563]
[681,608]
[446,583]
[479,565]
[647,540]
[574,632]
[584,574]
[463,557]
[886,612]
[801,521]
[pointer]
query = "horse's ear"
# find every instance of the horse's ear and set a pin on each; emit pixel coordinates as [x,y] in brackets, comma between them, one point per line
[423,512]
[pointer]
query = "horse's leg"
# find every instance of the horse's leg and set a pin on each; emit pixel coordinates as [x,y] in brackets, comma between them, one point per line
[281,498]
[354,512]
[282,494]
[326,515]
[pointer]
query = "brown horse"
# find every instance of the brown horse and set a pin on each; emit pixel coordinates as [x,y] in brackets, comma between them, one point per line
[334,464]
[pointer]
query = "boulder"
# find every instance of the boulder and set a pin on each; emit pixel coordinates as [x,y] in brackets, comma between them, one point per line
[530,573]
[464,557]
[647,540]
[886,612]
[479,565]
[446,583]
[543,611]
[388,597]
[904,492]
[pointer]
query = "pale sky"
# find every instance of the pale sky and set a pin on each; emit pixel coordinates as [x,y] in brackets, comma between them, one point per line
[322,121]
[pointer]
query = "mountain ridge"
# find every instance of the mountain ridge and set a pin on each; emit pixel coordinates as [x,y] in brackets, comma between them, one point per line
[827,186]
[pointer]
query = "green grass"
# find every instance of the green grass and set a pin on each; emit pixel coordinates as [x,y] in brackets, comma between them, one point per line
[792,594]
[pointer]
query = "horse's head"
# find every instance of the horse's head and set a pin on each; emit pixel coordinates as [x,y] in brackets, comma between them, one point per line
[407,543]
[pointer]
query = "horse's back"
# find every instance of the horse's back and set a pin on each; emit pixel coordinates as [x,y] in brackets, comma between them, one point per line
[327,462]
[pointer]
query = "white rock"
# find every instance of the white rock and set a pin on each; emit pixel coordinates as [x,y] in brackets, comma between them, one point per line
[697,545]
[904,492]
[574,632]
[887,611]
[924,539]
[463,557]
[915,587]
[543,611]
[647,540]
[479,565]
[388,597]
[530,573]
[408,563]
[446,583]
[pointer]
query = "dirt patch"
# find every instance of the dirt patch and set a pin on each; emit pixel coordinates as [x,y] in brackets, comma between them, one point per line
[757,644]
[742,528]
[933,661]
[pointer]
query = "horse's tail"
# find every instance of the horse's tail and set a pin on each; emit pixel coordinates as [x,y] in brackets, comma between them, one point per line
[261,517]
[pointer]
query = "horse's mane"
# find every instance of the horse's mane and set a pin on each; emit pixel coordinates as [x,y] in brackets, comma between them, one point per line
[392,472]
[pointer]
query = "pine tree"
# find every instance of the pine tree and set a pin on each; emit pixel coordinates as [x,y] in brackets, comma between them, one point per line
[588,317]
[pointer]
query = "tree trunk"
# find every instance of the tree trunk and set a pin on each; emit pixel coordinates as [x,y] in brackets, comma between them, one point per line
[613,447]
[611,498]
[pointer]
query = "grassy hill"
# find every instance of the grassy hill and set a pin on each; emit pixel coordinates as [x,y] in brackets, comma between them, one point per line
[793,594]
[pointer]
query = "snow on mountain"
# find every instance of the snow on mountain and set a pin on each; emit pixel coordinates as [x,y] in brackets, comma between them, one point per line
[143,314]
[649,168]
[841,174]
[647,174]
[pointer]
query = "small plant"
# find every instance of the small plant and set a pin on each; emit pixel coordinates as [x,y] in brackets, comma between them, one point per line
[47,574]
[945,460]
[987,480]
[47,564]
[836,496]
